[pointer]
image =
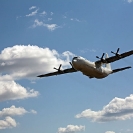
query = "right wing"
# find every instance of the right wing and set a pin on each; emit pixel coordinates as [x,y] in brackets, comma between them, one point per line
[69,70]
[120,56]
[120,69]
[115,58]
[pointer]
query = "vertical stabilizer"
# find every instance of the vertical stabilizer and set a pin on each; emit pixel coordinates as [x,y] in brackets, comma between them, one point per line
[108,64]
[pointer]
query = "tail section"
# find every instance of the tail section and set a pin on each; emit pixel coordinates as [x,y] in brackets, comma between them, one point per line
[115,70]
[108,64]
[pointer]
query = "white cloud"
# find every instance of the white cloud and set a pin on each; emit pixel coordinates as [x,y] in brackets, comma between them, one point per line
[6,77]
[33,111]
[8,122]
[27,62]
[33,7]
[43,13]
[10,90]
[129,1]
[50,27]
[109,132]
[71,129]
[19,62]
[12,111]
[32,14]
[117,109]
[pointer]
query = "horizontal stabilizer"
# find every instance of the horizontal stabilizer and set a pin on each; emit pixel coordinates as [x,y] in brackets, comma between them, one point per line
[120,69]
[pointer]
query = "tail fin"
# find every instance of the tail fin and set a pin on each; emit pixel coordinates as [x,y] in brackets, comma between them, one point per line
[108,64]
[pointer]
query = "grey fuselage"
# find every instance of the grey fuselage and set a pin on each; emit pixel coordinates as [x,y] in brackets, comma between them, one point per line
[90,69]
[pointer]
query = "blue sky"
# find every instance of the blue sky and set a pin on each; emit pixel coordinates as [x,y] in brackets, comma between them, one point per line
[39,35]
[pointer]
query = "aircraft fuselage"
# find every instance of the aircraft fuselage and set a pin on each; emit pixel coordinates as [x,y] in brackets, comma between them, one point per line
[89,68]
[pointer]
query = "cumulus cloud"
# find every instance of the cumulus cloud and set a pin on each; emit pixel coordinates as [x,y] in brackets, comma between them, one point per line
[117,109]
[109,132]
[12,111]
[28,61]
[10,90]
[71,129]
[6,77]
[15,111]
[32,14]
[19,62]
[50,27]
[8,122]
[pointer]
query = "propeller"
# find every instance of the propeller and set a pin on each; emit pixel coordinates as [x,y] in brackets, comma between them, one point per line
[101,57]
[58,69]
[71,64]
[117,54]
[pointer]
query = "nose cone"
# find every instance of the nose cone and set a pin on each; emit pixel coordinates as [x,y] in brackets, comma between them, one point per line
[74,60]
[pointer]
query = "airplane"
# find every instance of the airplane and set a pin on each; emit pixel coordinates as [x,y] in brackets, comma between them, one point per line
[92,69]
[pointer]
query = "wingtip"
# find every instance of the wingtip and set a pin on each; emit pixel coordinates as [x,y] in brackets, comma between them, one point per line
[39,76]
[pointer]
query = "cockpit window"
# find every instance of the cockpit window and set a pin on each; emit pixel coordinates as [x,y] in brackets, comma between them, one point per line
[75,58]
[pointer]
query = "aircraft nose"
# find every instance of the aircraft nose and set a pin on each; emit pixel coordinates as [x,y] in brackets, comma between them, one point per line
[74,59]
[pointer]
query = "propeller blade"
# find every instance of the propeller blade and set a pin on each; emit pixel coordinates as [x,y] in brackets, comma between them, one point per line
[71,64]
[102,58]
[112,52]
[60,66]
[102,55]
[118,50]
[55,68]
[97,57]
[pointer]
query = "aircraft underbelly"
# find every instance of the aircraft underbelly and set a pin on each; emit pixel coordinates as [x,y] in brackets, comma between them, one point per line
[90,70]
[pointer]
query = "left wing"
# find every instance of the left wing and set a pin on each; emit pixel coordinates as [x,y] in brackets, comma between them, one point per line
[115,58]
[69,70]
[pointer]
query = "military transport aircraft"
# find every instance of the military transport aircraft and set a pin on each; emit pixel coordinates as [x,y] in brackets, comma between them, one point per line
[93,69]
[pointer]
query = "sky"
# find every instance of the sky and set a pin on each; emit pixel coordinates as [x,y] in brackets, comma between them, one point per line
[38,35]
